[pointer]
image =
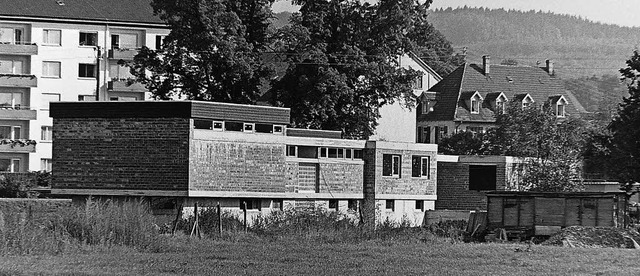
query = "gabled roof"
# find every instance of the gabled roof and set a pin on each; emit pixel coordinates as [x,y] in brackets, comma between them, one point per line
[555,99]
[124,11]
[510,80]
[425,66]
[490,97]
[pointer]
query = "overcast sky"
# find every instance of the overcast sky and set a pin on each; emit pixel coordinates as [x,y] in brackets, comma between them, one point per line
[621,12]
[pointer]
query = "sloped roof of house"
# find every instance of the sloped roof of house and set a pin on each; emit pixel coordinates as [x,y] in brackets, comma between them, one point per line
[130,11]
[513,81]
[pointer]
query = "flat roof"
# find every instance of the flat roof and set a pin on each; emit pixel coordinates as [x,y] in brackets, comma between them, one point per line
[171,109]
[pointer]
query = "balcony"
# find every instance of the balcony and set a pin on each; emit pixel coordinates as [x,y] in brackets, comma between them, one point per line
[124,54]
[21,145]
[18,80]
[17,112]
[124,85]
[18,49]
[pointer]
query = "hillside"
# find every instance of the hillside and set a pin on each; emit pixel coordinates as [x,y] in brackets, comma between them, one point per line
[578,46]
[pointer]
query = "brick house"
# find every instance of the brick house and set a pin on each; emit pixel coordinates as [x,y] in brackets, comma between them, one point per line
[464,180]
[181,152]
[469,98]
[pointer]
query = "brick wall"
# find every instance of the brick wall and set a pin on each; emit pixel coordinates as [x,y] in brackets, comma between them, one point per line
[453,187]
[113,153]
[218,165]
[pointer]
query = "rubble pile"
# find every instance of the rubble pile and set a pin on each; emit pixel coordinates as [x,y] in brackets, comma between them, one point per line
[595,237]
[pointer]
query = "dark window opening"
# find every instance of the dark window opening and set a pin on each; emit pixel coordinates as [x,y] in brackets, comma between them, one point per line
[333,204]
[357,154]
[390,204]
[202,124]
[333,153]
[88,39]
[420,205]
[420,166]
[340,153]
[390,165]
[218,125]
[307,152]
[277,204]
[159,41]
[291,151]
[264,128]
[352,204]
[482,178]
[323,152]
[87,70]
[251,204]
[348,153]
[278,129]
[233,126]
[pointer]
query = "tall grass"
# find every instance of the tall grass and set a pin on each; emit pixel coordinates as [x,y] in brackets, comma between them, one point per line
[102,223]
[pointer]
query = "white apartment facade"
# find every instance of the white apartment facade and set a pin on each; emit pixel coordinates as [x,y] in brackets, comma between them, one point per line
[63,54]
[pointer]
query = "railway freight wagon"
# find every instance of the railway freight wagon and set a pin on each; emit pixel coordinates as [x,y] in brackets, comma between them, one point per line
[525,214]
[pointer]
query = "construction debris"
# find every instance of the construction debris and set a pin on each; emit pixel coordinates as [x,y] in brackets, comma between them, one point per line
[595,237]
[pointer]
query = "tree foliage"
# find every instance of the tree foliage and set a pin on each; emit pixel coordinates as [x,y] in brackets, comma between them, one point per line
[342,61]
[624,149]
[212,53]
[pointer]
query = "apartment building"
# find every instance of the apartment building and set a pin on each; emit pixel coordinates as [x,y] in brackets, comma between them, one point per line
[56,50]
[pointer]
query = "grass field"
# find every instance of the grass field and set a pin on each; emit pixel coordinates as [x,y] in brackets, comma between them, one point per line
[436,257]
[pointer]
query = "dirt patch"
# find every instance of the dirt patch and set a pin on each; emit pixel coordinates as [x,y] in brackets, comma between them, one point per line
[595,237]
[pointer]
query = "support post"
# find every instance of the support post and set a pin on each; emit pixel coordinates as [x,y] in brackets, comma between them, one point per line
[244,210]
[219,219]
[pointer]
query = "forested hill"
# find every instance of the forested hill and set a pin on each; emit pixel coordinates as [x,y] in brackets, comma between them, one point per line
[578,46]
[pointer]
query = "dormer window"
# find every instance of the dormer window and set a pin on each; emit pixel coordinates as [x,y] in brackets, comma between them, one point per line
[425,107]
[559,103]
[473,101]
[417,83]
[527,101]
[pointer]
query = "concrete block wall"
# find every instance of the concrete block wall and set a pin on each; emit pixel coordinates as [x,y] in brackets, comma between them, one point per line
[121,153]
[218,165]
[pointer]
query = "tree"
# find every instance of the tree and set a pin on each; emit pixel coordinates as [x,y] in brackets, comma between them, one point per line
[342,62]
[553,148]
[625,141]
[212,53]
[463,143]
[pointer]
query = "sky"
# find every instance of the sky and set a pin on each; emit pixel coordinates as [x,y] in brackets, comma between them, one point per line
[620,12]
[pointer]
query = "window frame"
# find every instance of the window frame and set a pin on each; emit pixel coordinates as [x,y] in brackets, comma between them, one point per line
[46,131]
[390,204]
[475,106]
[59,67]
[81,33]
[423,160]
[45,37]
[12,132]
[395,169]
[560,110]
[95,70]
[48,164]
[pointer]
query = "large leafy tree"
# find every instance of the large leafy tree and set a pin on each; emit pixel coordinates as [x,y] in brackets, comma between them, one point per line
[624,148]
[342,62]
[212,53]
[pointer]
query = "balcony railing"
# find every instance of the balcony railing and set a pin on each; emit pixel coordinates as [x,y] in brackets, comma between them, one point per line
[20,48]
[124,54]
[17,112]
[125,85]
[18,80]
[19,145]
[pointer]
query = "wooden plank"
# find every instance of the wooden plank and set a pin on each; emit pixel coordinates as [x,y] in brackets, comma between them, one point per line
[527,213]
[494,211]
[606,209]
[572,215]
[549,211]
[546,230]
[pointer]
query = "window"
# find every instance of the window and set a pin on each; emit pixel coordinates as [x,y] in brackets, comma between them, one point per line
[51,69]
[560,109]
[233,126]
[475,130]
[482,177]
[278,129]
[86,70]
[277,204]
[264,128]
[391,165]
[424,107]
[500,107]
[420,205]
[292,151]
[251,204]
[10,100]
[124,41]
[352,204]
[51,37]
[202,124]
[218,125]
[417,83]
[88,39]
[323,152]
[46,133]
[11,35]
[390,204]
[475,106]
[358,154]
[248,127]
[10,132]
[10,165]
[424,134]
[9,66]
[441,132]
[420,166]
[86,98]
[45,164]
[46,98]
[159,41]
[333,204]
[123,98]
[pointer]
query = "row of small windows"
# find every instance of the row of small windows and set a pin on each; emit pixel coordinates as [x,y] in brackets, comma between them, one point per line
[323,152]
[53,37]
[238,126]
[52,69]
[277,204]
[390,205]
[392,166]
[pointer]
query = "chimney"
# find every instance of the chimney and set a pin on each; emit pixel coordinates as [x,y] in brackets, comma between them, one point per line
[550,67]
[486,64]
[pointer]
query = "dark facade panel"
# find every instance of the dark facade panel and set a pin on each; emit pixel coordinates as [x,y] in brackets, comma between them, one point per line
[299,132]
[141,109]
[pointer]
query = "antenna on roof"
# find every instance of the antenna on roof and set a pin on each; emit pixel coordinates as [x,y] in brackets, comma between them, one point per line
[60,2]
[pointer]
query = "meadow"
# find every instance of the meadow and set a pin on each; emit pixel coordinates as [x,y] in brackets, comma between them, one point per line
[120,239]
